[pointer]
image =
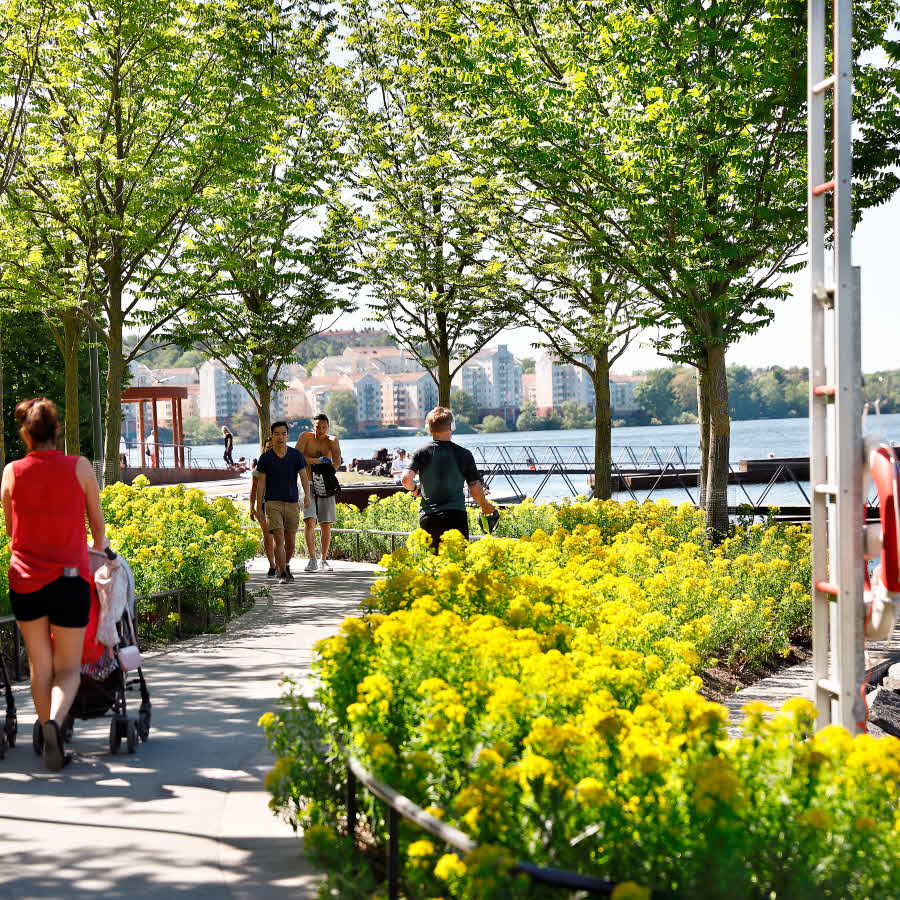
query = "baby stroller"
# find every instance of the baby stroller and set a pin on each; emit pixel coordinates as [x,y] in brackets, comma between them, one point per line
[10,725]
[108,673]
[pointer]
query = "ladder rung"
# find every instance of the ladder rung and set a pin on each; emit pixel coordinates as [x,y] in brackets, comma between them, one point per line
[828,489]
[824,85]
[826,684]
[826,587]
[823,188]
[824,390]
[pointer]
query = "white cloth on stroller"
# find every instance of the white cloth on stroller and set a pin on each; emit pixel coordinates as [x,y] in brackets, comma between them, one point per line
[114,581]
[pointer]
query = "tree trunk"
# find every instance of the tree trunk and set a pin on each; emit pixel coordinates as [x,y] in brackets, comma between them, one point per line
[602,428]
[263,406]
[443,381]
[114,378]
[71,344]
[716,505]
[703,423]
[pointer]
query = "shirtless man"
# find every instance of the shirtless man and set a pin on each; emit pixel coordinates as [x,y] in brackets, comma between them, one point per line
[319,448]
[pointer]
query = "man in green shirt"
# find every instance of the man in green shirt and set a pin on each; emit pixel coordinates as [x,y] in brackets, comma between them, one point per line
[443,469]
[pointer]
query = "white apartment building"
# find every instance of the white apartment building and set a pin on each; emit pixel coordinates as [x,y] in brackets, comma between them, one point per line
[407,398]
[557,382]
[369,391]
[220,397]
[493,377]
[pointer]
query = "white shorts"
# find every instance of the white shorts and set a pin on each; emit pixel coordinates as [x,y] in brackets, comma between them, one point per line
[322,508]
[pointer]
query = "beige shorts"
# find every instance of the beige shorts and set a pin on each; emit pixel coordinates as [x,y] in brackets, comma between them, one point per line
[282,516]
[322,508]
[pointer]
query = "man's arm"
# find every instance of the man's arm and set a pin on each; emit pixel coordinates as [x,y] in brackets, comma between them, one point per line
[260,493]
[304,480]
[477,491]
[253,496]
[408,480]
[335,453]
[473,479]
[301,443]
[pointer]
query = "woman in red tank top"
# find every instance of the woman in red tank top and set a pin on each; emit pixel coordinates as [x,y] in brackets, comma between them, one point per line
[45,497]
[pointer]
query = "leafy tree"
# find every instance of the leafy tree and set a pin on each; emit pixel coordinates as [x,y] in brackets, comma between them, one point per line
[269,260]
[576,415]
[426,216]
[529,420]
[199,431]
[527,363]
[35,370]
[342,412]
[493,425]
[137,109]
[465,410]
[675,135]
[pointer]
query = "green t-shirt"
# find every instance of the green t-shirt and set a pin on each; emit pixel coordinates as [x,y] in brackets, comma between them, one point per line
[443,469]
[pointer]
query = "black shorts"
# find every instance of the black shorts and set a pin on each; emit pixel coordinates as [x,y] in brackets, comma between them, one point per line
[439,523]
[66,602]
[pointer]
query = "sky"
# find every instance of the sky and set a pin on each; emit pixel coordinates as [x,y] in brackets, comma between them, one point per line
[785,342]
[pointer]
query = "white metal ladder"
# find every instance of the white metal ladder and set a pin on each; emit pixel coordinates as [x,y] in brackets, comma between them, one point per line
[835,403]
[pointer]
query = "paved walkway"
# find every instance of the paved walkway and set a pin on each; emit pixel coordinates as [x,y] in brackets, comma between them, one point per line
[796,681]
[186,815]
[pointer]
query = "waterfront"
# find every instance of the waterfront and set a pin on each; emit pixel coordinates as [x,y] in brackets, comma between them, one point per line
[754,439]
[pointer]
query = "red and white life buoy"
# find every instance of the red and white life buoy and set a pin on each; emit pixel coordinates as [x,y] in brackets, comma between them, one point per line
[882,590]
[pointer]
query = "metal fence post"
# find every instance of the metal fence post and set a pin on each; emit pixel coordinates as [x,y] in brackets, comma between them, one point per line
[358,550]
[351,805]
[393,861]
[17,654]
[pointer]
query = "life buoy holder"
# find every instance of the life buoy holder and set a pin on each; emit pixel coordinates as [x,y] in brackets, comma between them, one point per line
[882,589]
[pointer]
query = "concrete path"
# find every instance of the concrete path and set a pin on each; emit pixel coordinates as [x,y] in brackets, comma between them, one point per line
[796,681]
[187,814]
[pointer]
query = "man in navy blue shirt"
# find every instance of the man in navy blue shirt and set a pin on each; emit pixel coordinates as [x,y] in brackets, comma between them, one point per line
[278,470]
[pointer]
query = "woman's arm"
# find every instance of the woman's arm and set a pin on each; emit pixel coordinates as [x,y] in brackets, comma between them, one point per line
[88,481]
[6,498]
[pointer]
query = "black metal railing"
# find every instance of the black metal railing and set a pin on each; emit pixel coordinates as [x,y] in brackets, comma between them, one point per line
[400,806]
[236,602]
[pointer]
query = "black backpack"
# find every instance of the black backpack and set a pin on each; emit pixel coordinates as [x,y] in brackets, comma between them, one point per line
[324,480]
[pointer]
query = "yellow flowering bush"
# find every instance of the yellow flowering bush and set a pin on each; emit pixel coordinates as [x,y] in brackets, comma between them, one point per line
[541,695]
[176,538]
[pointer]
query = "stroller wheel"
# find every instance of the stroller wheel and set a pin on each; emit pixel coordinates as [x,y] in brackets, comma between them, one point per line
[115,736]
[68,729]
[11,727]
[131,735]
[37,739]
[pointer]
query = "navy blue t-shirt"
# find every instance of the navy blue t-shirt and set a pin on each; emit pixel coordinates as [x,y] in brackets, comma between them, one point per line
[281,474]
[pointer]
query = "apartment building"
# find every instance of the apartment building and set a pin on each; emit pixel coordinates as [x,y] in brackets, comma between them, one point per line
[407,398]
[557,382]
[220,398]
[493,377]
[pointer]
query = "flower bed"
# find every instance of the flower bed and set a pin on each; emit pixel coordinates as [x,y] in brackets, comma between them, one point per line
[541,695]
[175,539]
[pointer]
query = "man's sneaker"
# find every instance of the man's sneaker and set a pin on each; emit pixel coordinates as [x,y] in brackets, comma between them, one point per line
[312,566]
[272,572]
[324,567]
[286,577]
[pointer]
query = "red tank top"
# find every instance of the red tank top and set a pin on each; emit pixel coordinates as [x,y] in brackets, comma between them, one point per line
[48,529]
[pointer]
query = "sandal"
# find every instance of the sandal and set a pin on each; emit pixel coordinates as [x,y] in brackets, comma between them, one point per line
[55,756]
